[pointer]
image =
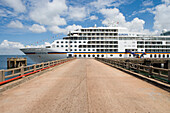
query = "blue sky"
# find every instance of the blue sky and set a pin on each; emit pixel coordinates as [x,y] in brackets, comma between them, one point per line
[26,22]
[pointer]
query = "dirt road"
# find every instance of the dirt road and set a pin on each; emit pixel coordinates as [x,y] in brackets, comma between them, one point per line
[85,85]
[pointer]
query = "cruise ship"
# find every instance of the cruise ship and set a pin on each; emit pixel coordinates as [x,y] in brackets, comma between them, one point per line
[103,42]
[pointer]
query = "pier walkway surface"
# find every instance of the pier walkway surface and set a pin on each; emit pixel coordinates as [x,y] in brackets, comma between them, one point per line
[85,86]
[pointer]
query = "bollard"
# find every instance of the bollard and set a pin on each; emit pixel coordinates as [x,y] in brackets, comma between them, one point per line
[2,75]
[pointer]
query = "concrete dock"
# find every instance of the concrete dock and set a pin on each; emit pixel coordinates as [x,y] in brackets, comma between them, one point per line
[85,86]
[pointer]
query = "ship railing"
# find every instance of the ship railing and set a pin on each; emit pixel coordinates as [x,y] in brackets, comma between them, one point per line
[160,74]
[16,73]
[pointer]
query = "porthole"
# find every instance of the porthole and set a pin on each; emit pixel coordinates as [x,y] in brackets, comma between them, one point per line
[120,55]
[155,55]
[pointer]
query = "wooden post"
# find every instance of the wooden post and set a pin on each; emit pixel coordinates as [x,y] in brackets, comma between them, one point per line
[150,70]
[2,75]
[42,65]
[35,66]
[137,68]
[128,65]
[22,70]
[169,76]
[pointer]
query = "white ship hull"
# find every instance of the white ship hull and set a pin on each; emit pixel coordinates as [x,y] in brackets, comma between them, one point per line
[43,54]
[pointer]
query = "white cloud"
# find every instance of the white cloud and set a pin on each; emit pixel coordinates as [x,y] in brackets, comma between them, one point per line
[72,27]
[99,4]
[37,28]
[13,48]
[49,13]
[166,1]
[114,16]
[77,13]
[147,3]
[10,48]
[93,17]
[15,24]
[9,44]
[56,29]
[17,5]
[162,16]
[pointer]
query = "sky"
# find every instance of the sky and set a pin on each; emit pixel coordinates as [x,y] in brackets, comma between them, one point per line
[35,23]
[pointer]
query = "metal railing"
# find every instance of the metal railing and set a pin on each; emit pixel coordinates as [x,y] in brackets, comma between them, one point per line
[15,73]
[160,74]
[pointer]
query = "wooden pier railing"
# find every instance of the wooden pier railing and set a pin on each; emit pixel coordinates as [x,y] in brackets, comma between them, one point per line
[160,74]
[15,73]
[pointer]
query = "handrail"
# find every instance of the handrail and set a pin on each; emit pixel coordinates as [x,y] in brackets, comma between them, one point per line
[15,73]
[150,71]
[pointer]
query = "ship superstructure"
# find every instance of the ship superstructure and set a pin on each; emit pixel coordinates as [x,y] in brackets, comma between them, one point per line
[102,42]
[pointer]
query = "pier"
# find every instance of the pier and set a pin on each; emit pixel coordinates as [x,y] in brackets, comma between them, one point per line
[16,62]
[86,86]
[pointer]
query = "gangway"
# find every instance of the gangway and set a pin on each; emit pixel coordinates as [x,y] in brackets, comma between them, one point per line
[136,55]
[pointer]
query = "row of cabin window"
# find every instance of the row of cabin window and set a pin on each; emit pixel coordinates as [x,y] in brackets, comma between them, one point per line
[80,50]
[93,30]
[71,42]
[151,46]
[98,34]
[157,50]
[66,46]
[141,42]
